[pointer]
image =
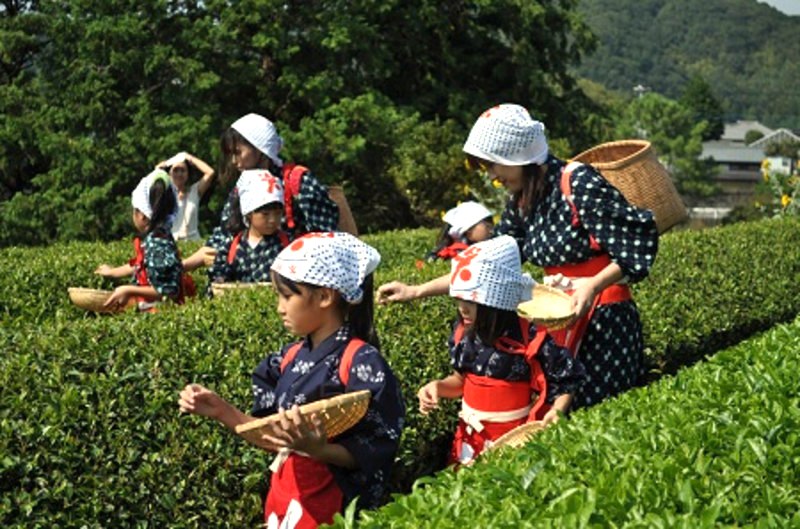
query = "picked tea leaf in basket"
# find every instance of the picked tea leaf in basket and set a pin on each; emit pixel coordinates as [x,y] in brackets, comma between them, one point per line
[549,307]
[338,414]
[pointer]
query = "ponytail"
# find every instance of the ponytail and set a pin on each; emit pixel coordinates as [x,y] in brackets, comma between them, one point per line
[163,202]
[235,222]
[361,316]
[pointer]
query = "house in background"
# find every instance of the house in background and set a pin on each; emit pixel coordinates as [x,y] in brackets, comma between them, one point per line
[777,163]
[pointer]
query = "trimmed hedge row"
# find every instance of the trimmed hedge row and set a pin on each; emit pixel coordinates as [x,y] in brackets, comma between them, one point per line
[716,445]
[89,430]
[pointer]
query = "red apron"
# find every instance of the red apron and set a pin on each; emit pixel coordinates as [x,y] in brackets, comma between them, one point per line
[302,494]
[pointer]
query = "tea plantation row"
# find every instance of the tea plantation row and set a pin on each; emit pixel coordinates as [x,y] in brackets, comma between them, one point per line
[716,445]
[89,430]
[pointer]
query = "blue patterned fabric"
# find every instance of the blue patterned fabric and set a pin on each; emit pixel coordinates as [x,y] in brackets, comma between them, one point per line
[563,373]
[313,375]
[250,265]
[162,263]
[612,349]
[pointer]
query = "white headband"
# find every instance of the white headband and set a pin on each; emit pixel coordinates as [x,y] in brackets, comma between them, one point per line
[335,260]
[262,134]
[258,187]
[464,216]
[490,273]
[140,198]
[508,135]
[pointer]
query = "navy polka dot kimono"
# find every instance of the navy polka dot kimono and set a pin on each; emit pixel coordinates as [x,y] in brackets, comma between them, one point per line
[314,375]
[612,349]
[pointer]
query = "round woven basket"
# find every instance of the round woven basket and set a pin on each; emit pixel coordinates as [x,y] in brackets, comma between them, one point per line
[220,289]
[634,169]
[92,299]
[549,307]
[346,220]
[518,436]
[338,414]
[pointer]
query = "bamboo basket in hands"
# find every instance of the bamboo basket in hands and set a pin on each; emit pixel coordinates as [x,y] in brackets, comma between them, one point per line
[518,436]
[338,414]
[548,306]
[633,168]
[92,299]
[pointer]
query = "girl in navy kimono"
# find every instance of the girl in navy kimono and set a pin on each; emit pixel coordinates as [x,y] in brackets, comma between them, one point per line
[156,269]
[505,372]
[324,285]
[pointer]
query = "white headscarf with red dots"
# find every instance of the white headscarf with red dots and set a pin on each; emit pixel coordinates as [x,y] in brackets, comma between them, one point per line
[334,260]
[258,187]
[490,273]
[508,135]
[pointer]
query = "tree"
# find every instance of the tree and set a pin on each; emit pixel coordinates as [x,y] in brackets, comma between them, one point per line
[676,138]
[699,99]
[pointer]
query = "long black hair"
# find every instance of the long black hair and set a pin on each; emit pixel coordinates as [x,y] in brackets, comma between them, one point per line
[491,323]
[162,202]
[228,142]
[360,316]
[534,186]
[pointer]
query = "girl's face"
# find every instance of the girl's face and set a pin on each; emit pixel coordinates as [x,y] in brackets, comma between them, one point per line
[245,156]
[179,174]
[300,313]
[511,176]
[480,232]
[468,311]
[266,221]
[140,221]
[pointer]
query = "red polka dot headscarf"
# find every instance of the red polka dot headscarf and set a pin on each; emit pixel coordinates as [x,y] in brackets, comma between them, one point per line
[508,135]
[490,273]
[334,260]
[257,187]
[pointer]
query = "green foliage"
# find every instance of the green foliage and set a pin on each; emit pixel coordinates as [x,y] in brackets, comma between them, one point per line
[716,445]
[752,136]
[89,429]
[699,98]
[784,189]
[744,50]
[677,139]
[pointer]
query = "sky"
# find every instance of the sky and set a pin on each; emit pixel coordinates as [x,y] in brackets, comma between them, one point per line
[790,7]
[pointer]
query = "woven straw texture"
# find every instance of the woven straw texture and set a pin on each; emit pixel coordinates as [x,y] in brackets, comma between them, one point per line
[548,307]
[92,300]
[634,169]
[346,220]
[339,413]
[220,289]
[519,435]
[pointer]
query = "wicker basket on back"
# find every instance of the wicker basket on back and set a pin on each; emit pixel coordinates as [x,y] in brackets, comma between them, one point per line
[633,168]
[338,414]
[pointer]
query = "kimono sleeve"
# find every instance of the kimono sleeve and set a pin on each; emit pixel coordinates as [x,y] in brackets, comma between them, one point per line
[374,441]
[264,380]
[163,265]
[220,270]
[627,233]
[220,233]
[563,372]
[315,209]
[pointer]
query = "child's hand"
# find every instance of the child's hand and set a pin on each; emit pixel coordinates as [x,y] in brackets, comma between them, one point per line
[103,270]
[551,417]
[428,396]
[298,432]
[394,291]
[119,298]
[198,400]
[559,281]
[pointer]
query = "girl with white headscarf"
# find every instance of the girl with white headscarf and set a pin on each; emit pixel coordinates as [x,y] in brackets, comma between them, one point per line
[324,286]
[572,222]
[499,360]
[156,268]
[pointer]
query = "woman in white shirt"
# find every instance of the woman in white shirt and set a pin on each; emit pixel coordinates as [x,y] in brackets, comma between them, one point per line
[179,167]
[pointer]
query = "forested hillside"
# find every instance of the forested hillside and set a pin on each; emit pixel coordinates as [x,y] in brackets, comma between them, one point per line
[746,51]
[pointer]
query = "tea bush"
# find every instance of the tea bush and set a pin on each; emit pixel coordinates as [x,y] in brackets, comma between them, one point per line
[89,430]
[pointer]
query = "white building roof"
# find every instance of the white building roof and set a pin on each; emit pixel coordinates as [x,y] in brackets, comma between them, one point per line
[730,151]
[737,131]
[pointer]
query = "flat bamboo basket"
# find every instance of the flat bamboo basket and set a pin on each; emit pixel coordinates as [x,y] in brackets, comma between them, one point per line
[633,168]
[549,307]
[518,436]
[92,299]
[346,220]
[220,289]
[338,414]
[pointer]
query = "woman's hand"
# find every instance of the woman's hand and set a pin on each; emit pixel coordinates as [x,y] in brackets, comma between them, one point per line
[104,270]
[298,432]
[428,396]
[199,400]
[583,297]
[395,291]
[119,298]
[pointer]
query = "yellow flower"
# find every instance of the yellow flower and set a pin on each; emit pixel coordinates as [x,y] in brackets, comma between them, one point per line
[785,200]
[765,163]
[765,174]
[441,214]
[496,184]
